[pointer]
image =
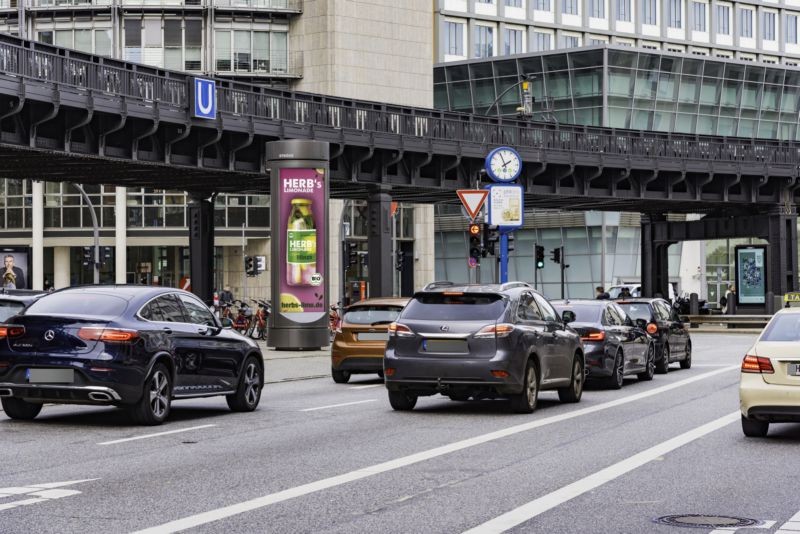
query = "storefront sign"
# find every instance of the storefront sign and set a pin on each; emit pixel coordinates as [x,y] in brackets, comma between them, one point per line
[301,201]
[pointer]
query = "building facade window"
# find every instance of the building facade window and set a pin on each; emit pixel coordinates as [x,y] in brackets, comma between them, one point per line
[514,3]
[593,42]
[675,14]
[569,7]
[484,45]
[168,42]
[250,51]
[542,5]
[513,41]
[746,23]
[649,12]
[699,16]
[768,26]
[791,29]
[454,35]
[570,41]
[597,9]
[541,41]
[91,41]
[723,20]
[624,10]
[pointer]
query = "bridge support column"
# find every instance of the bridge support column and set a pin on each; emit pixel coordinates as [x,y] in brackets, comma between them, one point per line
[201,244]
[655,261]
[379,243]
[782,253]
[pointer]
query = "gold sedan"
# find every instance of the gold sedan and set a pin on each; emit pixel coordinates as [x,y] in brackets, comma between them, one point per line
[361,340]
[769,390]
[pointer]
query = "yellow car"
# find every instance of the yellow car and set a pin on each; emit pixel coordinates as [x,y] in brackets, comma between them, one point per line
[361,339]
[769,390]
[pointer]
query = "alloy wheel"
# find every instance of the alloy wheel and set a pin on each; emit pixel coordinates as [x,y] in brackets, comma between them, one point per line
[577,379]
[159,394]
[252,383]
[531,385]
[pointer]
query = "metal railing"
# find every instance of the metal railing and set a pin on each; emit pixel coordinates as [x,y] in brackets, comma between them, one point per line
[45,63]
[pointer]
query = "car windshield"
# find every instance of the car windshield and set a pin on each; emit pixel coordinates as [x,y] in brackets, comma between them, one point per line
[78,304]
[455,307]
[372,315]
[9,308]
[584,313]
[784,327]
[616,291]
[638,310]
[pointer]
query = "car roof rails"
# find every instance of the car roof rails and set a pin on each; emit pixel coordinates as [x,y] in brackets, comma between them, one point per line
[437,285]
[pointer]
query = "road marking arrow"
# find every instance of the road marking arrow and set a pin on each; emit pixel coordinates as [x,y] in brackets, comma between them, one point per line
[473,200]
[38,493]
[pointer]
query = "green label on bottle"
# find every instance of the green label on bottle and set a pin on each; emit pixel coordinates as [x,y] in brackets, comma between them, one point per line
[301,246]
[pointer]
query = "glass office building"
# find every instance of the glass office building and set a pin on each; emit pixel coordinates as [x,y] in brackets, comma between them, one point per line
[620,87]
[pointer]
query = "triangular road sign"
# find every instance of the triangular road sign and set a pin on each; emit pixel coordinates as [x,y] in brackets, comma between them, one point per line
[473,200]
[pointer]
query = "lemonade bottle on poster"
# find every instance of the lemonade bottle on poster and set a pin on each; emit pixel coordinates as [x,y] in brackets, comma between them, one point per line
[301,244]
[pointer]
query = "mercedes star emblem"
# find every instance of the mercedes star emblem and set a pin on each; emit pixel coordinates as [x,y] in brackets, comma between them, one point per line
[49,335]
[444,328]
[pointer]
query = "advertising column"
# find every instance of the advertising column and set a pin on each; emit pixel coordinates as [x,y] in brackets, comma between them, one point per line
[299,244]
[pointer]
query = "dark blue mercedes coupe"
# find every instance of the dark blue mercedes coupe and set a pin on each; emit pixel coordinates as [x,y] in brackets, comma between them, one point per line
[134,347]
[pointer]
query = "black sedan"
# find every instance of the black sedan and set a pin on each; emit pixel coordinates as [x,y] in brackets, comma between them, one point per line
[129,346]
[673,343]
[614,345]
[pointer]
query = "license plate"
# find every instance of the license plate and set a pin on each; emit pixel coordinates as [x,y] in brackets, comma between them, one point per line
[445,345]
[373,336]
[794,369]
[50,376]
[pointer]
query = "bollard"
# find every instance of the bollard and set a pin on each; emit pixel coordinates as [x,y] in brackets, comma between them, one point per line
[694,304]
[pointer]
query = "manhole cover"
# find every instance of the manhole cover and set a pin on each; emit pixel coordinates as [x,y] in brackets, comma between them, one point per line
[706,521]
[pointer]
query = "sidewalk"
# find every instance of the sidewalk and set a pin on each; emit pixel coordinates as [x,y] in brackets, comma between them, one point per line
[286,365]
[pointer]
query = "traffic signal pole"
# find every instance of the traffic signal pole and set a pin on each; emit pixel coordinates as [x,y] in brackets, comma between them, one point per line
[503,257]
[96,233]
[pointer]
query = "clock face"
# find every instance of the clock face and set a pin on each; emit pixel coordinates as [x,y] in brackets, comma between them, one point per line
[505,164]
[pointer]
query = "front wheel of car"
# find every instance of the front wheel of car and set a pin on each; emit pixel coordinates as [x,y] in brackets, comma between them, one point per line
[753,428]
[154,406]
[402,401]
[20,409]
[650,365]
[574,391]
[248,394]
[617,378]
[340,377]
[525,401]
[686,362]
[662,365]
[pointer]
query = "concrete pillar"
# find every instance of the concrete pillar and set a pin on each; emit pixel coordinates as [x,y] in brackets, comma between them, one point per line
[424,245]
[61,267]
[201,245]
[36,269]
[379,243]
[782,254]
[655,261]
[121,236]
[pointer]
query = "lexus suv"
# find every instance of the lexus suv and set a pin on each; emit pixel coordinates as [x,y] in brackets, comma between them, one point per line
[481,341]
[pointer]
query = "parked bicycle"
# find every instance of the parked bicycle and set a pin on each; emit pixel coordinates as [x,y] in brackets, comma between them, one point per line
[258,325]
[334,319]
[243,318]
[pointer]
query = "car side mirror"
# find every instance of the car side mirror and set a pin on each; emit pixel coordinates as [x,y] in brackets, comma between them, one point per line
[568,316]
[641,323]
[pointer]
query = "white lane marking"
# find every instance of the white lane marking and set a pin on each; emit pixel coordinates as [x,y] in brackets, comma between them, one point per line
[39,493]
[367,386]
[790,527]
[337,405]
[313,487]
[528,511]
[147,436]
[764,524]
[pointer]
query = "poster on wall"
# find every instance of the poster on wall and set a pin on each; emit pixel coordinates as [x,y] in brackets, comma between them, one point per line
[15,267]
[302,230]
[751,285]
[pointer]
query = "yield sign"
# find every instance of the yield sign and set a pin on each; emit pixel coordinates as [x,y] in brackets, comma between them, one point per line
[472,199]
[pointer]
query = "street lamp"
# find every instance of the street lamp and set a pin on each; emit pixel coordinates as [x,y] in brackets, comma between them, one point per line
[528,79]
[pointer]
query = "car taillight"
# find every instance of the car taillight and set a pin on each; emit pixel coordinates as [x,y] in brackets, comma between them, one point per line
[594,336]
[400,330]
[757,364]
[10,330]
[495,330]
[652,329]
[108,335]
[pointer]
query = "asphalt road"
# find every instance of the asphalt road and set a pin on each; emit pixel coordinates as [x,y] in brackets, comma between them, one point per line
[322,457]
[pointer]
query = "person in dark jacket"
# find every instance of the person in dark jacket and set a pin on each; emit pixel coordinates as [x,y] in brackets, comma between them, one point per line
[601,293]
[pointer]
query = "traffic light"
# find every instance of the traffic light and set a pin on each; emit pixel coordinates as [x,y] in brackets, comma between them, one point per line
[352,253]
[556,255]
[475,241]
[399,260]
[539,257]
[108,253]
[88,256]
[490,236]
[261,264]
[511,238]
[250,265]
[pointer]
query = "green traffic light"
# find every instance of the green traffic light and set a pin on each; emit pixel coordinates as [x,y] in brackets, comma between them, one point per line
[540,265]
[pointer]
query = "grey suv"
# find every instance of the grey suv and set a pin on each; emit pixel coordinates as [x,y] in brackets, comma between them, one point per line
[482,341]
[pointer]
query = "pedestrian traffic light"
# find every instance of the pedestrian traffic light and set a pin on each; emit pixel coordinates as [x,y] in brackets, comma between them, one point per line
[352,253]
[399,260]
[250,265]
[510,238]
[261,264]
[88,256]
[475,241]
[539,257]
[556,255]
[490,237]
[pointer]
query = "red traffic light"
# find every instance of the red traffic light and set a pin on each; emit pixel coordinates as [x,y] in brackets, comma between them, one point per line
[474,229]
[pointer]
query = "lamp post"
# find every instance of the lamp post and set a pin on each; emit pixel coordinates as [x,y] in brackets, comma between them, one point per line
[528,79]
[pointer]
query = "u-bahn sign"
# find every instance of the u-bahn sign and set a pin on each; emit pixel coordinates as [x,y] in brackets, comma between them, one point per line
[203,98]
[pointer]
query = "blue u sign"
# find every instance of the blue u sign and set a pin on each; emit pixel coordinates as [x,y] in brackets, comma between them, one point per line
[205,99]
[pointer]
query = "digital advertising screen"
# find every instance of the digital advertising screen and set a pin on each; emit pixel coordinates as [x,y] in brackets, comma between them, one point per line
[751,284]
[16,261]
